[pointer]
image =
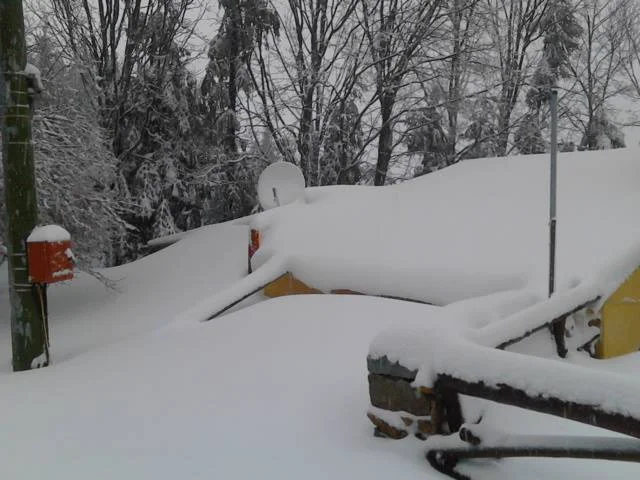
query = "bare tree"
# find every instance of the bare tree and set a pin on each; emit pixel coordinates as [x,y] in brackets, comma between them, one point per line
[396,30]
[464,39]
[631,64]
[598,70]
[309,80]
[447,86]
[514,27]
[113,40]
[132,57]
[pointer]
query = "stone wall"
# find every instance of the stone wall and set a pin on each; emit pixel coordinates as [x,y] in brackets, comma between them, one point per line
[397,408]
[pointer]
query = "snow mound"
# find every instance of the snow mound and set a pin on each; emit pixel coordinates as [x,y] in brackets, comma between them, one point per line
[473,229]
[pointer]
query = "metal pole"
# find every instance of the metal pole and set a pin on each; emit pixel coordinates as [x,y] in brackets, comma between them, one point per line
[552,193]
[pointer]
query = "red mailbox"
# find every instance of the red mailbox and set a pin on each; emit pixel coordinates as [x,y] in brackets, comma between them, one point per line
[49,255]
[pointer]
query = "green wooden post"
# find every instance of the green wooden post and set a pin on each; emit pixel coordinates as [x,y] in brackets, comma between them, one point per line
[28,335]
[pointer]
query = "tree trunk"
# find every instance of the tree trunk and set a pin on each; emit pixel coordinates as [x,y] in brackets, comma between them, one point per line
[28,329]
[232,90]
[304,137]
[385,140]
[503,127]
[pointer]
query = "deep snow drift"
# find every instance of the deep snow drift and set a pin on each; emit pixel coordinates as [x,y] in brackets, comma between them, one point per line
[151,292]
[275,391]
[472,229]
[142,389]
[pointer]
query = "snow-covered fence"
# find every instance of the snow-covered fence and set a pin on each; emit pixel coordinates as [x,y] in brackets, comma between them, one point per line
[415,379]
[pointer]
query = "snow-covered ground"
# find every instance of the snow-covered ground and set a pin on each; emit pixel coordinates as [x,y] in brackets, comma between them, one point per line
[147,294]
[142,389]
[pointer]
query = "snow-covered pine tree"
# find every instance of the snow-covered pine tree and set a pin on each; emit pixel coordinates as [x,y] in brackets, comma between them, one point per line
[561,31]
[426,136]
[601,134]
[163,147]
[132,59]
[528,137]
[598,67]
[481,135]
[342,144]
[243,27]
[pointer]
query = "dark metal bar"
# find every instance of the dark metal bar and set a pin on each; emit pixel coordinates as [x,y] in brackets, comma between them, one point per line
[624,450]
[244,297]
[579,412]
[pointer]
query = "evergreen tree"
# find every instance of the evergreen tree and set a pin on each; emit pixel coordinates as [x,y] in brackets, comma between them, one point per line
[481,132]
[245,24]
[427,137]
[601,134]
[343,143]
[163,148]
[561,31]
[528,137]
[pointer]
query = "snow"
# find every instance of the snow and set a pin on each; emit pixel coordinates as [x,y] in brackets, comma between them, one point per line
[448,342]
[496,437]
[232,398]
[473,229]
[49,233]
[62,273]
[534,316]
[85,314]
[39,361]
[615,393]
[143,386]
[69,253]
[34,72]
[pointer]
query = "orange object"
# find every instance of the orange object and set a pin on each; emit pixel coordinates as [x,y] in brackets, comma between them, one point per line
[254,242]
[288,285]
[50,262]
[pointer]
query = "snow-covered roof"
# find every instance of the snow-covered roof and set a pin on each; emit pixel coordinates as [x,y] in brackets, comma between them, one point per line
[472,229]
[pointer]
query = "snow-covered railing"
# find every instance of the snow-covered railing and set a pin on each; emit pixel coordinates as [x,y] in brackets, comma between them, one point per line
[554,311]
[596,398]
[437,364]
[477,441]
[223,301]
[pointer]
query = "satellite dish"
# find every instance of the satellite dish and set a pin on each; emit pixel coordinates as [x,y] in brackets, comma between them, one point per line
[279,184]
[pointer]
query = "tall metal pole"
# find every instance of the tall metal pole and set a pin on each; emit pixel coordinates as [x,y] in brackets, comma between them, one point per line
[552,193]
[28,335]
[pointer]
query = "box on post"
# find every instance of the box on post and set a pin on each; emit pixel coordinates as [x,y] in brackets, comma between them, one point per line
[49,255]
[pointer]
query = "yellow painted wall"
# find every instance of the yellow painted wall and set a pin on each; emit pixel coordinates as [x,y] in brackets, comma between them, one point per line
[620,320]
[288,285]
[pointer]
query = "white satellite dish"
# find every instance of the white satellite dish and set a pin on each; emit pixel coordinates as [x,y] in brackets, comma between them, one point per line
[279,184]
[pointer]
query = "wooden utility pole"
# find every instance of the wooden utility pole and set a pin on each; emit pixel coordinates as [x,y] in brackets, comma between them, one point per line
[28,334]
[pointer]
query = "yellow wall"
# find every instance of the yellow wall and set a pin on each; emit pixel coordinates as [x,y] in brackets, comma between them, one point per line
[620,320]
[288,285]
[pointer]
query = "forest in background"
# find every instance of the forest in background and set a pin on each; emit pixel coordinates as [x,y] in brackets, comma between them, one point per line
[132,142]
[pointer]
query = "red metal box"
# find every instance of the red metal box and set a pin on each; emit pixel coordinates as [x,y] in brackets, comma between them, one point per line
[49,256]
